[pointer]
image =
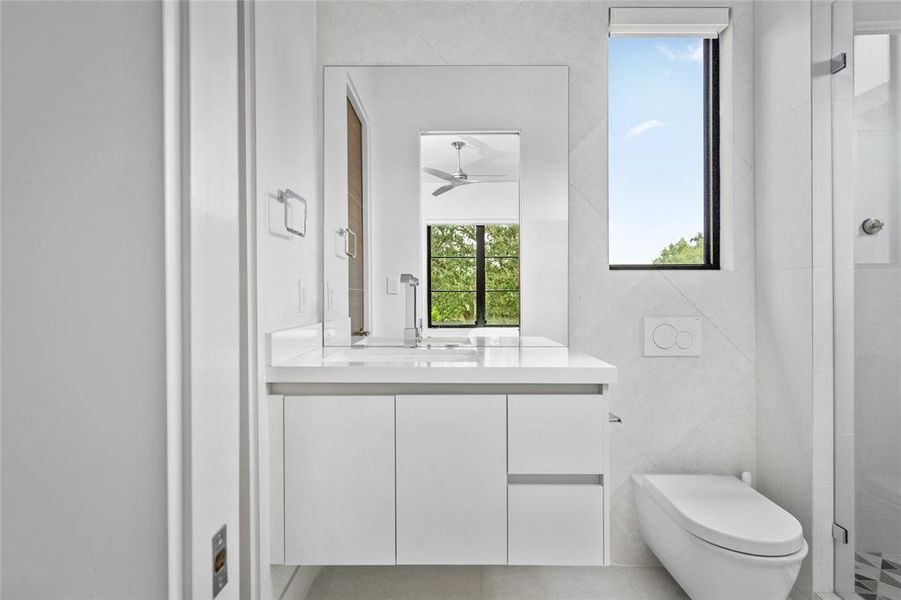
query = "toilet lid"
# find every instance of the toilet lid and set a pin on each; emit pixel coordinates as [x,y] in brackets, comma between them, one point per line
[726,512]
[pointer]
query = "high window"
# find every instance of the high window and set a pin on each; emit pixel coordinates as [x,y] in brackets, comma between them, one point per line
[664,172]
[473,275]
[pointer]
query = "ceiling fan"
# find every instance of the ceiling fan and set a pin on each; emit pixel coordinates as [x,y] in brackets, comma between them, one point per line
[457,178]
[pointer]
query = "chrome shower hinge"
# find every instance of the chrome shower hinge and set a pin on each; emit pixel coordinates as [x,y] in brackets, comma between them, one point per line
[838,63]
[839,533]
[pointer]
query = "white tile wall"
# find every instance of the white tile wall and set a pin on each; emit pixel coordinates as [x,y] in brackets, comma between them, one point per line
[684,414]
[784,284]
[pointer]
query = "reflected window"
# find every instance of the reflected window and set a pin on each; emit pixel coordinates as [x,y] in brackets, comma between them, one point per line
[473,275]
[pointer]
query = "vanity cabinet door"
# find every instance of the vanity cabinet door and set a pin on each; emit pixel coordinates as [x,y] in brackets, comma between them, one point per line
[339,480]
[451,480]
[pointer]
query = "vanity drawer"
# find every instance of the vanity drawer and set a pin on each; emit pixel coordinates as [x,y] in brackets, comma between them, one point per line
[556,434]
[556,524]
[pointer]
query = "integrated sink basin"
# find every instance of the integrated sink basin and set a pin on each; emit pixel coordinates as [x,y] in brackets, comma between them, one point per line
[296,357]
[399,355]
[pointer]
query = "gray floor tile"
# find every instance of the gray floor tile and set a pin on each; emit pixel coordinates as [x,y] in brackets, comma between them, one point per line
[494,583]
[655,583]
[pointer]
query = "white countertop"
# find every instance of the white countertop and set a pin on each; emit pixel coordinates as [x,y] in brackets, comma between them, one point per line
[468,365]
[505,341]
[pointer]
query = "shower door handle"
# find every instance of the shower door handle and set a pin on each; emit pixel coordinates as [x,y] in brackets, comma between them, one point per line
[872,226]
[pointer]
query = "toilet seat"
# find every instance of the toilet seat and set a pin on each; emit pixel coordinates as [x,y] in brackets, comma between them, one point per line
[725,512]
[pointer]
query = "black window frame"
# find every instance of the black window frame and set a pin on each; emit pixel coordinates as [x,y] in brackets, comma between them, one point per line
[480,290]
[711,199]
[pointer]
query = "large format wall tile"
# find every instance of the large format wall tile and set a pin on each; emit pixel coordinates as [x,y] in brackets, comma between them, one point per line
[784,278]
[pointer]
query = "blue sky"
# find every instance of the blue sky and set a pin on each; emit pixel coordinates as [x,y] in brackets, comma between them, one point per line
[656,145]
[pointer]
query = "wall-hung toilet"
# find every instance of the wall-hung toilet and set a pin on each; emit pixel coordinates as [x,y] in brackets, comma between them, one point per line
[718,537]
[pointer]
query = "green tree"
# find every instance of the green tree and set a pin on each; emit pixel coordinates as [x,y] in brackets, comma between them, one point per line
[683,252]
[502,274]
[453,274]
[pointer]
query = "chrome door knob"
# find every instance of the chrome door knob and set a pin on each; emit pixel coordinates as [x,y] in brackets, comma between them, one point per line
[872,226]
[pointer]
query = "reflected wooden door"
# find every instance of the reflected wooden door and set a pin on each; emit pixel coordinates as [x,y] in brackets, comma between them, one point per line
[356,257]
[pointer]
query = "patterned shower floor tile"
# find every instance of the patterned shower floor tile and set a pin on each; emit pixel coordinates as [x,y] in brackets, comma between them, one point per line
[877,576]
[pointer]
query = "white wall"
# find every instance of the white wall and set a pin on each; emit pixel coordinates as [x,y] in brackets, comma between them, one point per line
[680,414]
[284,147]
[84,456]
[491,202]
[785,268]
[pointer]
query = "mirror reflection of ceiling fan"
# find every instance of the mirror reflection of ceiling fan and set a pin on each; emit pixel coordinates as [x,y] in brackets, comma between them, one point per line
[459,177]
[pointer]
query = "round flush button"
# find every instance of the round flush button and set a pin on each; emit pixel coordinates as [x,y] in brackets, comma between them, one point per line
[684,340]
[664,336]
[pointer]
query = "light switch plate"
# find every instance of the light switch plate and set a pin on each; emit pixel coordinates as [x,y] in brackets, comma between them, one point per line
[673,336]
[302,299]
[391,286]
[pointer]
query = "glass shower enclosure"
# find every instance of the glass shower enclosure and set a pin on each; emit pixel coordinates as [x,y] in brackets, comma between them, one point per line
[866,173]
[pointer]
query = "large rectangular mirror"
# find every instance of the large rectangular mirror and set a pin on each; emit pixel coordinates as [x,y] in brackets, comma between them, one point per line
[445,195]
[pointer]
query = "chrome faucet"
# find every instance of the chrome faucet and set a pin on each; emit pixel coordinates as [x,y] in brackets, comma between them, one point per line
[412,324]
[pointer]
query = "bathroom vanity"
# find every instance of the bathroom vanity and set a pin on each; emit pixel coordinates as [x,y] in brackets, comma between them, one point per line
[437,416]
[474,455]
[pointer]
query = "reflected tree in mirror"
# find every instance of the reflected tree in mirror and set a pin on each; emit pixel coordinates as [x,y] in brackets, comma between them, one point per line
[473,275]
[453,240]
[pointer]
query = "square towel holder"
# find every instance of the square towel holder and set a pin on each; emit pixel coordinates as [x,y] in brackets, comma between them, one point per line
[285,196]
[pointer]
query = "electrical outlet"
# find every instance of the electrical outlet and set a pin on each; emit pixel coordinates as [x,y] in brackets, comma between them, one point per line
[220,560]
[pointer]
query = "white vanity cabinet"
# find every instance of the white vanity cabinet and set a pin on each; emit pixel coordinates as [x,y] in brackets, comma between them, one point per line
[451,479]
[440,478]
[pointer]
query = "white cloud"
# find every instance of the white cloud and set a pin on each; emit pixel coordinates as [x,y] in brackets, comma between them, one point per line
[693,53]
[641,128]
